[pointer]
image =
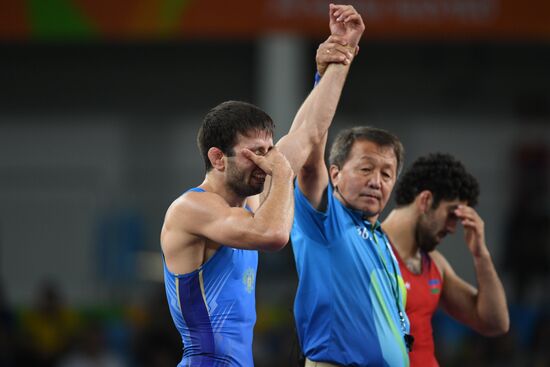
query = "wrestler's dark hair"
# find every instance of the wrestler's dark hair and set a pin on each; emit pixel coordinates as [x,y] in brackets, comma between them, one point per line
[223,123]
[343,143]
[443,175]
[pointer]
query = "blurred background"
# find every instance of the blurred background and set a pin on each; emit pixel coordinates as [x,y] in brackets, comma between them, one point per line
[100,103]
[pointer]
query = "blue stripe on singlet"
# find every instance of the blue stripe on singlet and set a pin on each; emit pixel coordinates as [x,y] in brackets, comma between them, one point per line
[195,313]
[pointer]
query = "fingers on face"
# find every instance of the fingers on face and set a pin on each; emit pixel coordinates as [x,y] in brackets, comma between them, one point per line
[469,223]
[257,159]
[469,218]
[466,212]
[251,155]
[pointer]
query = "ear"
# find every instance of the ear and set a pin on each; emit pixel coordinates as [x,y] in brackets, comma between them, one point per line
[215,155]
[334,173]
[424,200]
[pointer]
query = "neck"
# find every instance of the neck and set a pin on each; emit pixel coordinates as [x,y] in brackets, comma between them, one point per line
[399,226]
[213,182]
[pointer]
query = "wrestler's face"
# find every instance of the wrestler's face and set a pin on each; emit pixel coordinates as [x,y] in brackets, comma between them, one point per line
[242,176]
[436,223]
[366,180]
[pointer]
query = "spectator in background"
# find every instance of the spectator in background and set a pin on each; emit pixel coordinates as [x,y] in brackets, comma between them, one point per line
[528,224]
[156,342]
[539,354]
[91,350]
[8,344]
[48,328]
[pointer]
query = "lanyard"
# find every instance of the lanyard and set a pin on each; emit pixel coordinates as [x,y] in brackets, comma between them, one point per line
[394,290]
[408,338]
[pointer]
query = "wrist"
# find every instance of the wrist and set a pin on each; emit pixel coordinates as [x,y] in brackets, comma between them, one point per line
[317,78]
[283,174]
[353,49]
[482,253]
[352,52]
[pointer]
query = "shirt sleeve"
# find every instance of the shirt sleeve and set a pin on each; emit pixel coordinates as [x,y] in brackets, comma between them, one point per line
[308,221]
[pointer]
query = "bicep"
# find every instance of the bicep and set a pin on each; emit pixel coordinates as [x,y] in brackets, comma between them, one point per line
[232,227]
[236,227]
[295,148]
[313,183]
[313,177]
[208,216]
[308,164]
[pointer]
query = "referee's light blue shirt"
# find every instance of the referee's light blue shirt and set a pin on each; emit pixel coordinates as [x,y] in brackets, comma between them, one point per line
[345,310]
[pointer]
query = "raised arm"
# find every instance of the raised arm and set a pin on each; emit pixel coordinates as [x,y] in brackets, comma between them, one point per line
[305,143]
[484,309]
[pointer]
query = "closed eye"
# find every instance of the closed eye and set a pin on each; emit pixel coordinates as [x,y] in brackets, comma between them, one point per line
[262,151]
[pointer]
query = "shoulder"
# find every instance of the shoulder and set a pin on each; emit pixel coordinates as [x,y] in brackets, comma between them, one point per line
[441,262]
[194,205]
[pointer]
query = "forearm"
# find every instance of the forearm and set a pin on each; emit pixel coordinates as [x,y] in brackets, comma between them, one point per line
[316,113]
[323,106]
[491,306]
[314,118]
[275,215]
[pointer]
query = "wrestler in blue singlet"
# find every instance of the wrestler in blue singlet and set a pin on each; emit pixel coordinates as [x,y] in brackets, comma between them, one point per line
[214,308]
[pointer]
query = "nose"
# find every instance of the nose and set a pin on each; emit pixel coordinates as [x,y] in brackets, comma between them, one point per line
[375,180]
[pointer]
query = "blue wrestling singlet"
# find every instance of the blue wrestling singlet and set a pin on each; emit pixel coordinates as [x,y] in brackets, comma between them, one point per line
[214,308]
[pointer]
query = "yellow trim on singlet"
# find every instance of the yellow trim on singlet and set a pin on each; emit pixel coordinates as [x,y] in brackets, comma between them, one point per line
[201,283]
[178,292]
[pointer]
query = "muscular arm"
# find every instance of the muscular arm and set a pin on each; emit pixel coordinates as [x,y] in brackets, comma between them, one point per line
[304,145]
[198,221]
[484,309]
[307,136]
[208,215]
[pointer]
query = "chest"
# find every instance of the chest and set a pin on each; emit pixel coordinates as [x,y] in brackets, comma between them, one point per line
[423,290]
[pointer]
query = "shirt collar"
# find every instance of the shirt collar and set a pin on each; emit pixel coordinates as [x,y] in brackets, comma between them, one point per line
[373,227]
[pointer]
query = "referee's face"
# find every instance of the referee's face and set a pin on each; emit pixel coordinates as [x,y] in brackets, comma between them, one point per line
[367,178]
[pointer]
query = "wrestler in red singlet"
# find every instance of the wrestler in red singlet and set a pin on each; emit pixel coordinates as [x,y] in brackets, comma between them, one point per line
[423,291]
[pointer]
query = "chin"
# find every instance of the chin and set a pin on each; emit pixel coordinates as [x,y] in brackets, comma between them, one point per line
[369,212]
[374,209]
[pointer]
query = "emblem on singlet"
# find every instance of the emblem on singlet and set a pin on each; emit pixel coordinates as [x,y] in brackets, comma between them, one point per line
[248,280]
[434,286]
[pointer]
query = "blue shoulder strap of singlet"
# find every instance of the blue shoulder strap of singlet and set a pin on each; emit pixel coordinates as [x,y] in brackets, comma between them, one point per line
[196,189]
[200,189]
